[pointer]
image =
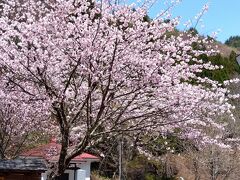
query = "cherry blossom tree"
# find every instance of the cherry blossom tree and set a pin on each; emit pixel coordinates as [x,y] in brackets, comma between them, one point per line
[17,128]
[92,69]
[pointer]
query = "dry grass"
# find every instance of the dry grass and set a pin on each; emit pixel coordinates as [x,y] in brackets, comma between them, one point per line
[226,50]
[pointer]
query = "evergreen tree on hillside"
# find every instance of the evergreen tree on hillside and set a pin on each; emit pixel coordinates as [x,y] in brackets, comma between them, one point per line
[229,64]
[233,41]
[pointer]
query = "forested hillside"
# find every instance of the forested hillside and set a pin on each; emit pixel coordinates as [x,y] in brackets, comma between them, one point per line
[233,41]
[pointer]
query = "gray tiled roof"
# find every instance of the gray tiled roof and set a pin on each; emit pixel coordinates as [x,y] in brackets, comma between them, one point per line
[22,165]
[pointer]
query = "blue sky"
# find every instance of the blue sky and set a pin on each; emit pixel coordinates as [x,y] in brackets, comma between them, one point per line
[223,15]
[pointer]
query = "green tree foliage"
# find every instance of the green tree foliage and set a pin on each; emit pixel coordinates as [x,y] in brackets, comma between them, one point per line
[142,168]
[193,31]
[230,67]
[233,41]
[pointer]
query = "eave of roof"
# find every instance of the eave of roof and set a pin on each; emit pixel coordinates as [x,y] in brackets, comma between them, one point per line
[20,164]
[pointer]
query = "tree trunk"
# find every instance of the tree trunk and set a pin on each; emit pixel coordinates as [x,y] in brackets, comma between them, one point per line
[196,169]
[54,173]
[55,170]
[50,175]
